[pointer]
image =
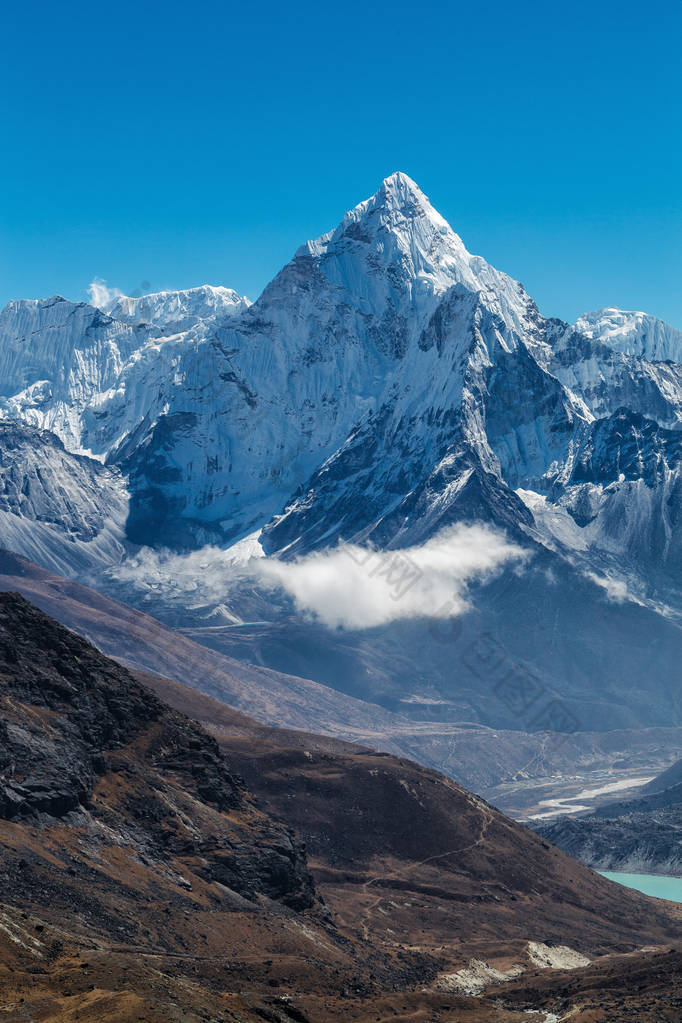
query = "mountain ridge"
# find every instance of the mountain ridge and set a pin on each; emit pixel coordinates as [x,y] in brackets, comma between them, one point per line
[387,385]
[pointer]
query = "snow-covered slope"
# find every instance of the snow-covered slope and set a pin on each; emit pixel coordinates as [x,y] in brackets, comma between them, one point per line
[60,361]
[615,359]
[55,358]
[63,510]
[633,333]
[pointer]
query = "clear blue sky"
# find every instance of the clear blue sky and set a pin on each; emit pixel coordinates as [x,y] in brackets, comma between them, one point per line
[190,143]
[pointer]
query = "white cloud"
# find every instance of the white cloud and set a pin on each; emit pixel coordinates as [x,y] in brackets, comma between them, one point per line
[616,589]
[100,295]
[357,588]
[347,586]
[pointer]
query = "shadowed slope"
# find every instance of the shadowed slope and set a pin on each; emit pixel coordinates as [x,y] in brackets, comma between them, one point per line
[141,880]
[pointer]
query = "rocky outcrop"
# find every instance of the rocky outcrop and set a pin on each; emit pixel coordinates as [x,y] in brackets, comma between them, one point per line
[72,723]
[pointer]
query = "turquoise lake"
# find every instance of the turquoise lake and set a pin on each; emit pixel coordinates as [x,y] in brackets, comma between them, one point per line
[650,884]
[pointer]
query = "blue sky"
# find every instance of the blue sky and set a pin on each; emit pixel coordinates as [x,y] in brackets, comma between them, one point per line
[197,143]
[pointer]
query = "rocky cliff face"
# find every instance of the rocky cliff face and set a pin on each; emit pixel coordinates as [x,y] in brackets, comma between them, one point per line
[86,746]
[644,841]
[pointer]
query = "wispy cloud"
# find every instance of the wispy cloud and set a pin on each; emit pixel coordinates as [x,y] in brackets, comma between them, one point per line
[616,590]
[102,296]
[202,578]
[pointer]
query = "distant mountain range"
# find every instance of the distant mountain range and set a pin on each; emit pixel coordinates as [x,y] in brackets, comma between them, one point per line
[506,488]
[638,835]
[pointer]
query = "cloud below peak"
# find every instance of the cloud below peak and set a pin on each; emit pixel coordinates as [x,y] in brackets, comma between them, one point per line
[359,588]
[348,586]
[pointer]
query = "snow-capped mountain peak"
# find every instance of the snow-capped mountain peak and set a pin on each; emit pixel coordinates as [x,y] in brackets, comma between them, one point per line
[633,333]
[395,247]
[383,368]
[387,385]
[402,188]
[399,207]
[384,330]
[399,203]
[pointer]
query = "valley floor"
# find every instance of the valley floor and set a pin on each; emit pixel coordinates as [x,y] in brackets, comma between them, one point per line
[96,985]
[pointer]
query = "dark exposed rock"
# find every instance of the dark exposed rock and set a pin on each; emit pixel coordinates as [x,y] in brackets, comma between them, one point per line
[626,444]
[71,720]
[648,842]
[62,705]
